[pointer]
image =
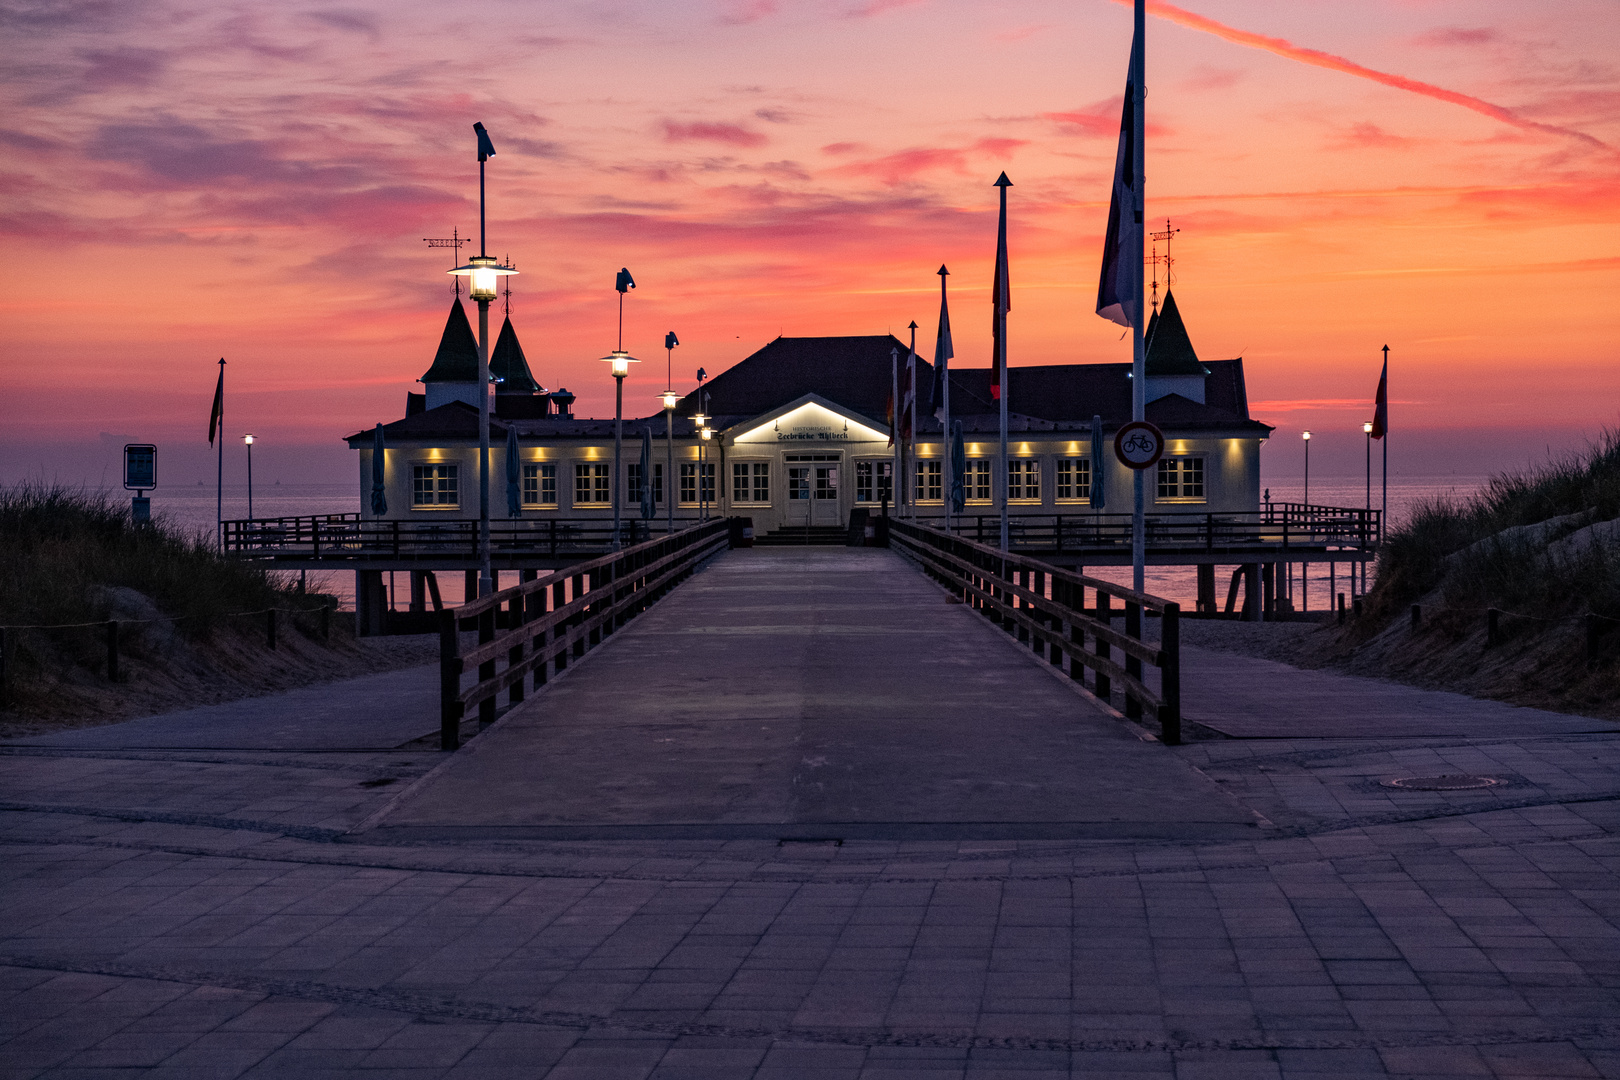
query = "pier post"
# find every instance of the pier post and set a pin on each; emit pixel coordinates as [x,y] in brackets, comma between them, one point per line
[1206,588]
[450,707]
[1133,664]
[418,592]
[1105,685]
[1170,675]
[486,670]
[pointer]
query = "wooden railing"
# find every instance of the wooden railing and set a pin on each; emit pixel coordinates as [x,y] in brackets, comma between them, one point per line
[555,618]
[1046,606]
[1279,525]
[348,538]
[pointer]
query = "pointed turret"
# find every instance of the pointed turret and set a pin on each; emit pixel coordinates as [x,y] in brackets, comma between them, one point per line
[508,365]
[457,358]
[1172,364]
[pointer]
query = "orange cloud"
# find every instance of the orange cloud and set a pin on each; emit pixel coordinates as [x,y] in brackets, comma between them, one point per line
[701,131]
[1317,58]
[906,165]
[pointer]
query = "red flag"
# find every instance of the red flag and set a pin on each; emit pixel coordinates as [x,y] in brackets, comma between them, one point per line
[888,414]
[218,414]
[1380,426]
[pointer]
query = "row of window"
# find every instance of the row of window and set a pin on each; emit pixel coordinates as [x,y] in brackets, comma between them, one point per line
[437,485]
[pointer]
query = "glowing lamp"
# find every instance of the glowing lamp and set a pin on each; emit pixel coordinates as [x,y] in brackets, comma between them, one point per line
[621,362]
[248,439]
[671,399]
[1366,428]
[1305,435]
[707,432]
[484,273]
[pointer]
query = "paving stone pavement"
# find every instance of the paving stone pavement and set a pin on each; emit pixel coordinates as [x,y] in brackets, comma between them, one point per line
[215,914]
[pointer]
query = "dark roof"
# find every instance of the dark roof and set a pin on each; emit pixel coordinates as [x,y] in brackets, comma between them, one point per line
[457,358]
[508,364]
[855,372]
[457,420]
[1169,349]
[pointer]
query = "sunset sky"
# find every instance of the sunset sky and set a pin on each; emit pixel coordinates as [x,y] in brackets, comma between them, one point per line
[183,181]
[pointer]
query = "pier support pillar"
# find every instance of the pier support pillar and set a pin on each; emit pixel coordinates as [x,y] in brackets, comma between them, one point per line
[370,603]
[418,592]
[470,588]
[1206,588]
[1253,603]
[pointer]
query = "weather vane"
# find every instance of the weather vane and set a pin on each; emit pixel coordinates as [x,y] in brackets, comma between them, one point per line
[507,260]
[454,242]
[1155,259]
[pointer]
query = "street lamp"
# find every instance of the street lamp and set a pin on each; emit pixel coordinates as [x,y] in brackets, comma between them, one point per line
[483,272]
[1307,437]
[700,425]
[248,439]
[707,433]
[670,399]
[1366,429]
[621,362]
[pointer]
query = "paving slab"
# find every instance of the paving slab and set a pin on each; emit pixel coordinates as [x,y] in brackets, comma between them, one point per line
[835,691]
[371,712]
[1249,698]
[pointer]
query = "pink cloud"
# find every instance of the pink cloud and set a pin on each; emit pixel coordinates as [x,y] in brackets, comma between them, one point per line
[706,131]
[838,149]
[1457,35]
[742,12]
[878,7]
[904,165]
[1368,135]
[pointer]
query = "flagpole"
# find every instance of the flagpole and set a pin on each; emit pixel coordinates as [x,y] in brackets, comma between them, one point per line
[910,429]
[896,488]
[942,371]
[219,476]
[1383,517]
[1138,356]
[1003,301]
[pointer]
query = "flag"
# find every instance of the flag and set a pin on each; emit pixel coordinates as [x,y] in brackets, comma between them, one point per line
[1119,289]
[649,505]
[624,282]
[514,490]
[486,149]
[958,470]
[888,415]
[217,417]
[1000,294]
[1099,495]
[943,352]
[379,474]
[908,400]
[1380,426]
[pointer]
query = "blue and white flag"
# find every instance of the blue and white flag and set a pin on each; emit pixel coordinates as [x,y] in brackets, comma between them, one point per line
[1119,292]
[943,352]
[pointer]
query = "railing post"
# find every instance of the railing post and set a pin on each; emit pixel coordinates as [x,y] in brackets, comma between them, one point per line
[1170,675]
[315,539]
[450,707]
[1077,636]
[559,628]
[486,670]
[515,620]
[1133,664]
[1105,685]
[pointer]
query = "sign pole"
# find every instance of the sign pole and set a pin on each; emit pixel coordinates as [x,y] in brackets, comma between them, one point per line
[1138,356]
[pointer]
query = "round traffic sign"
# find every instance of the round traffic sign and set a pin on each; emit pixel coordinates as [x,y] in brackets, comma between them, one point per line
[1139,445]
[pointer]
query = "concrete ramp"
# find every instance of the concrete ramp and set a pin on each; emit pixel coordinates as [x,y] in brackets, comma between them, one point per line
[827,693]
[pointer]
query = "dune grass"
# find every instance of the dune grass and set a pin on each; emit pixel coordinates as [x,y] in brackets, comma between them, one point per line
[1509,574]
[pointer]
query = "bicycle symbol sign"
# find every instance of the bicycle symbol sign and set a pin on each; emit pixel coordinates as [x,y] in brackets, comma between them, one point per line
[1139,445]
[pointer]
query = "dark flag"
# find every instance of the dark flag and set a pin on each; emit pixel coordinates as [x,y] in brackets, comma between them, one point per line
[908,400]
[514,475]
[1120,287]
[888,415]
[218,415]
[649,504]
[1000,294]
[1099,462]
[1380,426]
[943,352]
[379,474]
[958,470]
[486,149]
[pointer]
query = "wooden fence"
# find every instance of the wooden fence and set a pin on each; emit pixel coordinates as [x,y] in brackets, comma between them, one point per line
[587,603]
[1046,606]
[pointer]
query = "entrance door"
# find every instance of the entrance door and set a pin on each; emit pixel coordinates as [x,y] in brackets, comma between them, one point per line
[825,505]
[798,495]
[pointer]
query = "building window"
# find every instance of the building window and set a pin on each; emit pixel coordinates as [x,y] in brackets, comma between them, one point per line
[593,483]
[874,481]
[1023,479]
[751,482]
[633,485]
[434,485]
[689,482]
[1073,478]
[929,481]
[1181,478]
[976,483]
[540,485]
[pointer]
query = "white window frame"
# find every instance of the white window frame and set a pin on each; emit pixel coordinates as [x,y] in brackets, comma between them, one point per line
[593,478]
[755,477]
[930,483]
[879,482]
[435,468]
[1073,473]
[977,480]
[1179,488]
[1029,473]
[537,477]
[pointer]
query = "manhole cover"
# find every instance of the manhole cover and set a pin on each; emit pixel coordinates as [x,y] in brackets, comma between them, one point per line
[1455,782]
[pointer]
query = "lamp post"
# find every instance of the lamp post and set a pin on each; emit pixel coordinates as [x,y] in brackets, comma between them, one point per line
[483,272]
[670,400]
[1306,435]
[699,425]
[621,362]
[248,440]
[1366,429]
[705,433]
